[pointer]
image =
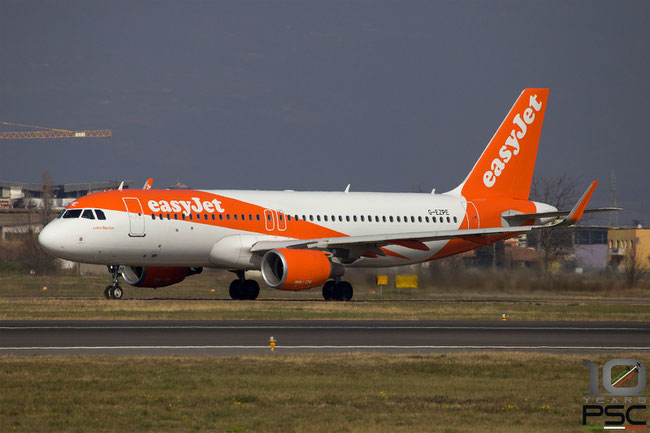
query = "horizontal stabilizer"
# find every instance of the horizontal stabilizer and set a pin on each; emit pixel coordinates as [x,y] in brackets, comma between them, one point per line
[521,217]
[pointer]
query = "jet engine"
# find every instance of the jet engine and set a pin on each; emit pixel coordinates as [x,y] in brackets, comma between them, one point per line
[157,276]
[293,269]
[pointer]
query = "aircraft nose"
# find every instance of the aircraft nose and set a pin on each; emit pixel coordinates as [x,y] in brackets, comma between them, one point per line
[51,239]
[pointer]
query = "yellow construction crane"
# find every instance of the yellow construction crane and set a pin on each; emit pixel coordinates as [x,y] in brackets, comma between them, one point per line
[51,133]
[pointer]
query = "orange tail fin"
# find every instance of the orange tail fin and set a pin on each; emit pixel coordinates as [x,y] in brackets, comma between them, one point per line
[505,168]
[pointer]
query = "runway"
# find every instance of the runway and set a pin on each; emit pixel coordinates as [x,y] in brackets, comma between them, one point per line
[251,337]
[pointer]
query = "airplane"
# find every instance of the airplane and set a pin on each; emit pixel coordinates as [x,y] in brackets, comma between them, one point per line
[301,240]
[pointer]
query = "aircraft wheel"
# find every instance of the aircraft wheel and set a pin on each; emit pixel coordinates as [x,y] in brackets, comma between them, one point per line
[116,292]
[236,291]
[343,291]
[251,290]
[107,292]
[328,290]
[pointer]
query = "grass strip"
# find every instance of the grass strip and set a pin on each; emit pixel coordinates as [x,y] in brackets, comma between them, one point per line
[101,309]
[354,392]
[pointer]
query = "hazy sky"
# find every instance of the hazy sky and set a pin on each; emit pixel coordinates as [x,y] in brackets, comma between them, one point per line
[387,96]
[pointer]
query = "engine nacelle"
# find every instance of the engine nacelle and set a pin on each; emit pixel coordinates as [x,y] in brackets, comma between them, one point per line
[157,276]
[292,269]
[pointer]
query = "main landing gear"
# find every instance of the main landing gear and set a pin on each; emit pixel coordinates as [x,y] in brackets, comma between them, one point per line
[243,289]
[114,291]
[337,290]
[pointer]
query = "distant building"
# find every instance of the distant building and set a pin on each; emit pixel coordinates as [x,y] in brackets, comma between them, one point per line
[621,241]
[16,195]
[590,246]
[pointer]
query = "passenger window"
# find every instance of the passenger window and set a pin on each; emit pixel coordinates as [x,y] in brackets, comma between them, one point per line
[72,213]
[175,216]
[213,217]
[426,218]
[383,218]
[88,214]
[412,219]
[340,218]
[398,220]
[288,218]
[228,216]
[160,216]
[268,217]
[198,216]
[318,218]
[325,218]
[250,217]
[280,217]
[257,216]
[361,218]
[448,220]
[220,217]
[183,215]
[153,216]
[100,214]
[205,216]
[354,218]
[235,216]
[455,220]
[419,219]
[191,218]
[433,219]
[390,218]
[169,218]
[376,218]
[347,218]
[311,217]
[243,217]
[370,218]
[333,218]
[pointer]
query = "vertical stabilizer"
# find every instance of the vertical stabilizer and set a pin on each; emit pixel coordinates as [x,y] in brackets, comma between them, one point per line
[505,169]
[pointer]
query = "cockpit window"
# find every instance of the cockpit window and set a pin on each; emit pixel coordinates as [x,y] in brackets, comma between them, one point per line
[88,214]
[100,214]
[72,213]
[61,213]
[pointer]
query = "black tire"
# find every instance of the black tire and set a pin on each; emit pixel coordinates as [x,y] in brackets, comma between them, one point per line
[117,292]
[235,290]
[343,291]
[328,290]
[251,290]
[107,292]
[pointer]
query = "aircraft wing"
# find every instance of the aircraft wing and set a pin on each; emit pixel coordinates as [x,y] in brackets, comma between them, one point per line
[415,240]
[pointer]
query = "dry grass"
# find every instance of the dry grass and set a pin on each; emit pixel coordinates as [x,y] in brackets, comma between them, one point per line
[459,392]
[99,309]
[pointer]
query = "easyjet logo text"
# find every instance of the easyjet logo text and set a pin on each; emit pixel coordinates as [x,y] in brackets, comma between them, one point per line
[511,146]
[186,206]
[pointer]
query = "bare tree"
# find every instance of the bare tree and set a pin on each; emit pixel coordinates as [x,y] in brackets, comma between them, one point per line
[561,192]
[633,267]
[47,194]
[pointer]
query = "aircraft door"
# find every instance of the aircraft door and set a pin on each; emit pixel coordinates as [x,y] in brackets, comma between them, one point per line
[269,220]
[282,221]
[473,219]
[136,216]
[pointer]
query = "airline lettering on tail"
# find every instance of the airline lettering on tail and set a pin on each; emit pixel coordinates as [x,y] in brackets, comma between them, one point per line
[511,146]
[186,206]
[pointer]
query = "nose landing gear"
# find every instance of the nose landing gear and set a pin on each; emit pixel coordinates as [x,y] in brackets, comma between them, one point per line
[114,291]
